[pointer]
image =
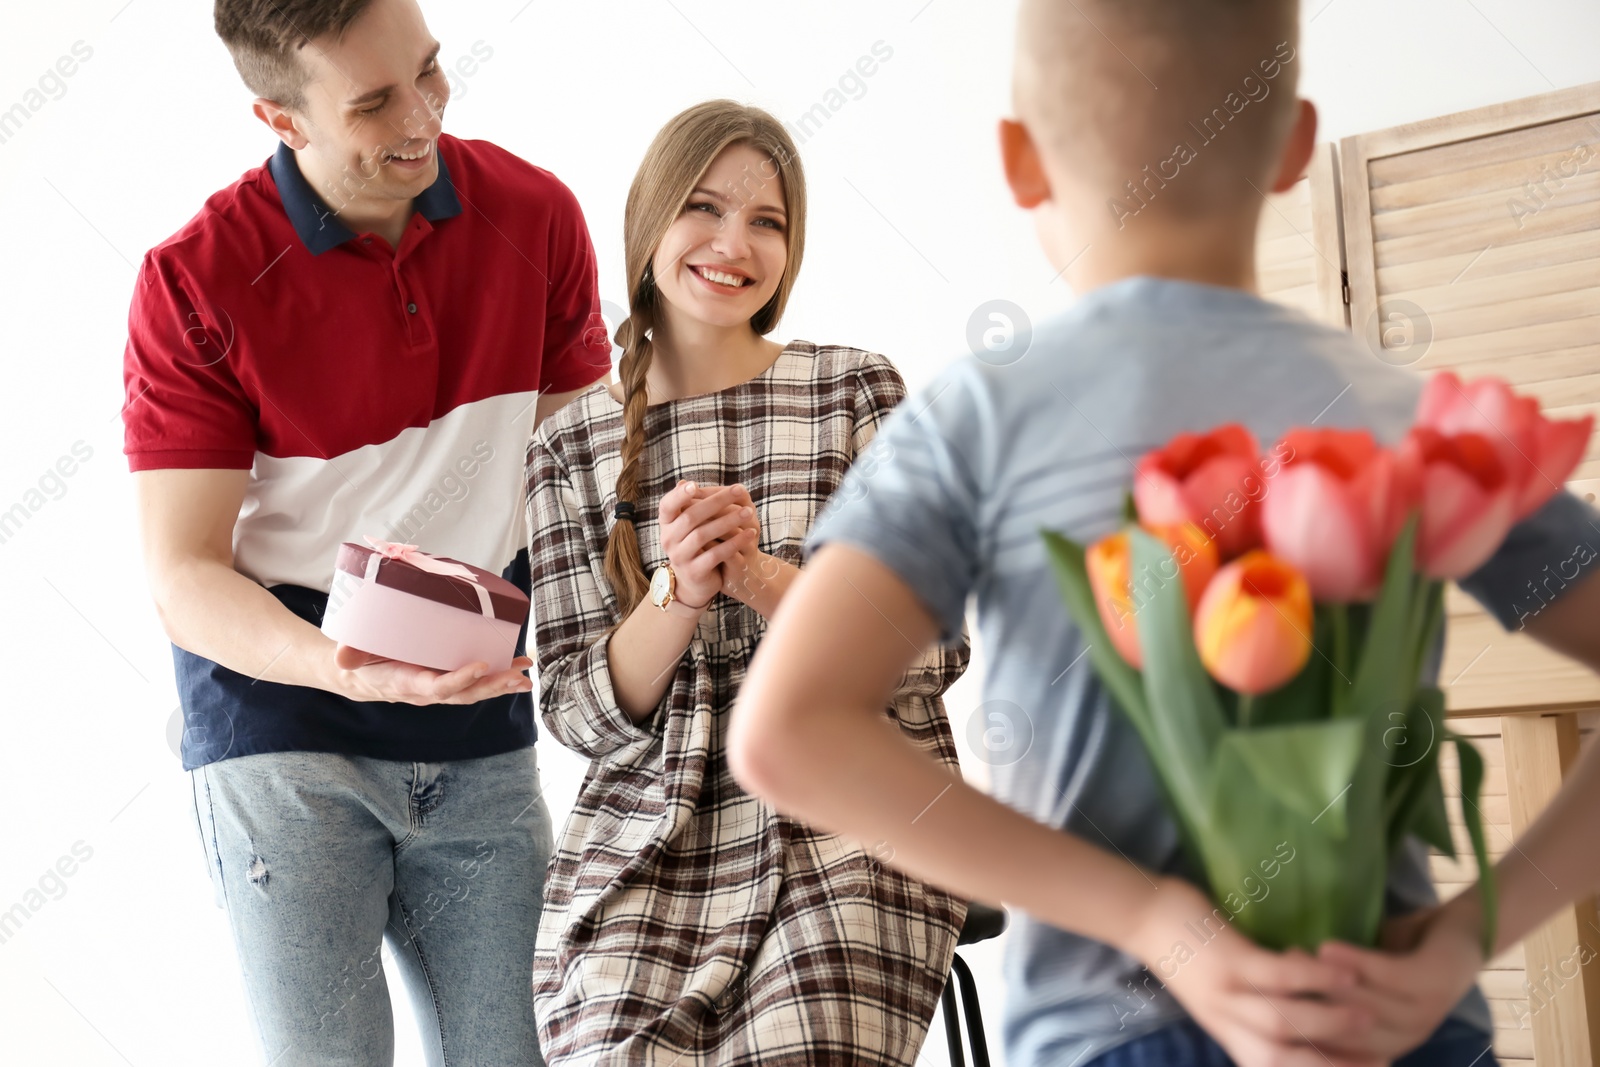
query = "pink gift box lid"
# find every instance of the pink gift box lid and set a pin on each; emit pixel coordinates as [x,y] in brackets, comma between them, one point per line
[509,603]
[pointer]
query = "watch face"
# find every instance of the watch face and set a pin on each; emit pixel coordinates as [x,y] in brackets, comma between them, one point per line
[660,586]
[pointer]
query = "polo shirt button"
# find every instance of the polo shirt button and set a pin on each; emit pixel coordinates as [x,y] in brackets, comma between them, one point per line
[366,240]
[411,308]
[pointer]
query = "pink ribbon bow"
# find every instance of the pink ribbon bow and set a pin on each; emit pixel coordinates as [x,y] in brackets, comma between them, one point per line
[423,562]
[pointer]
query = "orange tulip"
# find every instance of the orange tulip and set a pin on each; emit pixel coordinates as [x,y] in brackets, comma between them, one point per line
[1119,598]
[1253,628]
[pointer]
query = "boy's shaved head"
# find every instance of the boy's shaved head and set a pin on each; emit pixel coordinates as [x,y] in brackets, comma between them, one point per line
[1175,105]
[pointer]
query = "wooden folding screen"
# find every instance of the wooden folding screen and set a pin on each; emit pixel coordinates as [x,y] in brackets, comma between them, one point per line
[1471,242]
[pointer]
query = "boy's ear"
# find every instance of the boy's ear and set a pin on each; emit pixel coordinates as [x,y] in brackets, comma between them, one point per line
[280,121]
[1030,186]
[1298,149]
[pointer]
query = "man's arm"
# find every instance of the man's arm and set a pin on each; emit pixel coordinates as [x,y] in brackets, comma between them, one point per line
[809,735]
[554,402]
[186,520]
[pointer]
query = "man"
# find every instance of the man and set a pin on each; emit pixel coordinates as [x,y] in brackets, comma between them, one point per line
[356,338]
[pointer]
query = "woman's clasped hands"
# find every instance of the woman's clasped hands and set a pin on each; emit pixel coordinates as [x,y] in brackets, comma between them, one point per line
[711,537]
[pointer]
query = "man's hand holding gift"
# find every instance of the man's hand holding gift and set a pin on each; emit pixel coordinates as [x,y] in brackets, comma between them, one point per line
[418,629]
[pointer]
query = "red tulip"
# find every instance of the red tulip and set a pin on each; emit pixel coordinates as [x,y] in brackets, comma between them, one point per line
[1204,479]
[1253,629]
[1119,597]
[1538,453]
[1468,501]
[1335,509]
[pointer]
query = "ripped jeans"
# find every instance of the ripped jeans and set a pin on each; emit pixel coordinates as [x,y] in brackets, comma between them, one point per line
[318,858]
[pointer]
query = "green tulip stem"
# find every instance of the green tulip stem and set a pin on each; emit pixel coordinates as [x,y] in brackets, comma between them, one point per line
[1341,653]
[1433,618]
[1246,706]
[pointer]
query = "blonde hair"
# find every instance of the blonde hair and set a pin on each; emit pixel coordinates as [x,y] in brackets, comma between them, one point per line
[677,159]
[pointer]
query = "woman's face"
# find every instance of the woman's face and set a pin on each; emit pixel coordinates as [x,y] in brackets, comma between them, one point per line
[723,257]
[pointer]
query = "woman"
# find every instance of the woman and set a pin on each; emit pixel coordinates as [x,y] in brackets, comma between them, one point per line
[686,922]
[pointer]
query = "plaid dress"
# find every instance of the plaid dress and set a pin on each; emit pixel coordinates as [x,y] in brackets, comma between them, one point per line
[686,922]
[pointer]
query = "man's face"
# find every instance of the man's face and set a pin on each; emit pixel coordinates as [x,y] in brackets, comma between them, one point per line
[376,95]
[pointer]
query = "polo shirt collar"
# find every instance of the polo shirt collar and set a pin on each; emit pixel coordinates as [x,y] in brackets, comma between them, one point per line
[319,228]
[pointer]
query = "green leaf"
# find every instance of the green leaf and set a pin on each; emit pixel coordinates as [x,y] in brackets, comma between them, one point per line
[1385,676]
[1471,791]
[1066,558]
[1286,881]
[1427,619]
[1125,684]
[1414,801]
[1185,715]
[1306,767]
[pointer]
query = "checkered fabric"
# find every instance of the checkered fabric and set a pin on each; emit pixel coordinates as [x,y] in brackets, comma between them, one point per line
[684,921]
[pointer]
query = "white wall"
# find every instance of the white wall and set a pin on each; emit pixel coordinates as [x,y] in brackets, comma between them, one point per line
[911,229]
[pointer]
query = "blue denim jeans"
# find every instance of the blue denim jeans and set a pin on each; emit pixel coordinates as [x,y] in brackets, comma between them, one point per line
[318,858]
[1184,1044]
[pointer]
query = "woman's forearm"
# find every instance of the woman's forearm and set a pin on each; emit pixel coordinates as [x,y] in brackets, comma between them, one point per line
[643,654]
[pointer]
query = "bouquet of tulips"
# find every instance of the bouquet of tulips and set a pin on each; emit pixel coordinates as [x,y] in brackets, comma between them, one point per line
[1264,620]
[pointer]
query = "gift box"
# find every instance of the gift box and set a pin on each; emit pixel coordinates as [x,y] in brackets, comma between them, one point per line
[396,601]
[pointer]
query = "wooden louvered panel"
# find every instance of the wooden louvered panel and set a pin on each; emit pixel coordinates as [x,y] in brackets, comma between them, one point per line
[1498,279]
[1465,240]
[1413,153]
[1497,260]
[1501,216]
[1503,980]
[1434,177]
[1299,256]
[1488,671]
[1429,223]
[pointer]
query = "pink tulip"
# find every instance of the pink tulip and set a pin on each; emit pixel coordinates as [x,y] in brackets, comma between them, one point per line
[1468,500]
[1538,453]
[1334,510]
[1204,479]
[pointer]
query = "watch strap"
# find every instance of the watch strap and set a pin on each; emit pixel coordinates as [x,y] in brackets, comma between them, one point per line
[688,611]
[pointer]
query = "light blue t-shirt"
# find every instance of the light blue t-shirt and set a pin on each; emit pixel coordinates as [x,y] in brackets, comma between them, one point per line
[952,496]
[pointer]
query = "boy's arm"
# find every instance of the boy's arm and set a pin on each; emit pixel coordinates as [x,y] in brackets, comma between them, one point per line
[1554,863]
[809,734]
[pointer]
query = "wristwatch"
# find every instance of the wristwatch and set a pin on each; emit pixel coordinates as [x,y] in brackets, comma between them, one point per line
[663,590]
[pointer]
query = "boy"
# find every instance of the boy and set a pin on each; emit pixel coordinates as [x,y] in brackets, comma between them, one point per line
[1167,336]
[357,337]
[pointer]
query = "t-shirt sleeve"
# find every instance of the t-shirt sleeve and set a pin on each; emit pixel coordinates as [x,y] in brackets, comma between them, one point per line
[1542,557]
[910,499]
[577,347]
[183,404]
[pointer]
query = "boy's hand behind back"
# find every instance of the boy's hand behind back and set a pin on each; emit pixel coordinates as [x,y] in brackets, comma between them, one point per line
[1266,1009]
[1431,960]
